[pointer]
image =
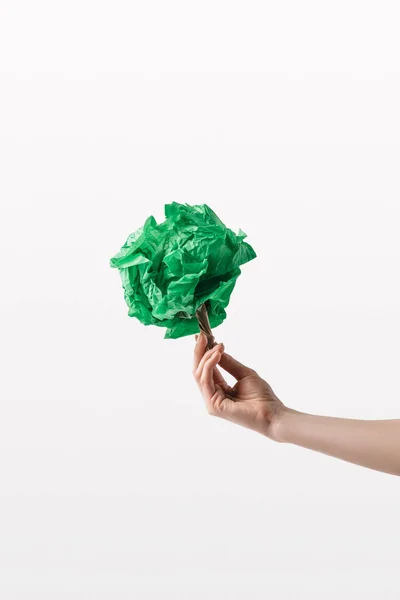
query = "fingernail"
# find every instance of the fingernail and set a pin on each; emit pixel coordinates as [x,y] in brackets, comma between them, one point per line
[218,348]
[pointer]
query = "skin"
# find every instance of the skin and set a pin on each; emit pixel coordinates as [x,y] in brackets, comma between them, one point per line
[252,403]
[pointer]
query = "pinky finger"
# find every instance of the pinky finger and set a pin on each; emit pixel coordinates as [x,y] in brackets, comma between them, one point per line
[207,379]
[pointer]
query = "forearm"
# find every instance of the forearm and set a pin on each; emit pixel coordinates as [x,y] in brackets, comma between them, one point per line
[372,444]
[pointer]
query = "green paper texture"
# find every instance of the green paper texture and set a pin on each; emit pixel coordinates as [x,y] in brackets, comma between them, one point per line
[169,269]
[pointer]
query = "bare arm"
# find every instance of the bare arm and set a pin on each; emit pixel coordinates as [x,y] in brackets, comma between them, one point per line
[372,444]
[252,403]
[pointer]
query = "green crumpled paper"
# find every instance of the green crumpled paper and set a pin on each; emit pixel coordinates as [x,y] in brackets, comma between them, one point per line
[169,269]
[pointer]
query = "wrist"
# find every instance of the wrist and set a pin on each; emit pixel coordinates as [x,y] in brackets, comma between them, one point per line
[287,424]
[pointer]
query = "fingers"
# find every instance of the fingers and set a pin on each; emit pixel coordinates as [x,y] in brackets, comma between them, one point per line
[201,343]
[227,362]
[204,366]
[219,380]
[206,379]
[234,367]
[218,377]
[203,356]
[216,392]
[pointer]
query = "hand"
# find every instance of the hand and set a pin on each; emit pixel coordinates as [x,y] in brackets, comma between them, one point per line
[251,402]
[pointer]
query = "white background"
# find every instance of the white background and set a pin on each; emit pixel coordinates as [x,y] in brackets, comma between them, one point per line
[284,117]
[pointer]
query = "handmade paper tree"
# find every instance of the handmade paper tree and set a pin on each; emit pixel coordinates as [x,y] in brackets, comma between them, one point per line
[180,273]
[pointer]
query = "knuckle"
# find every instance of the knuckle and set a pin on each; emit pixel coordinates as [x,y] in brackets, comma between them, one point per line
[210,352]
[211,409]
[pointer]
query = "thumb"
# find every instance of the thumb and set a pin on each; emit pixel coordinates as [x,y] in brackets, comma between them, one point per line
[234,367]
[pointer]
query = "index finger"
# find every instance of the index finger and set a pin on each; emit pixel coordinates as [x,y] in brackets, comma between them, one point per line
[199,349]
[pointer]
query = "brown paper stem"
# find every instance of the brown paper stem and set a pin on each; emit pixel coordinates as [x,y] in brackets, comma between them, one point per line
[204,324]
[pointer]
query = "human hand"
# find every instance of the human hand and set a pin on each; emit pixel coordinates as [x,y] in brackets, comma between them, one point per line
[251,402]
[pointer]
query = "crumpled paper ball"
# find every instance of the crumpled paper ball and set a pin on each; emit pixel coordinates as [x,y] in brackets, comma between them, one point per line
[168,270]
